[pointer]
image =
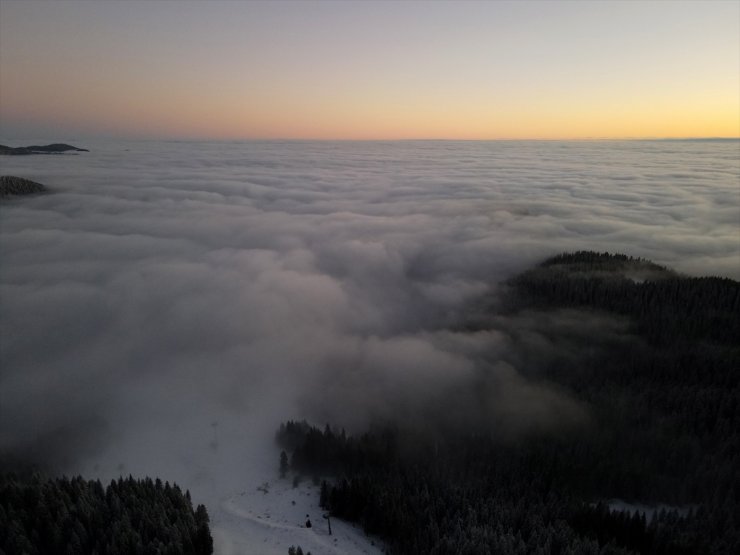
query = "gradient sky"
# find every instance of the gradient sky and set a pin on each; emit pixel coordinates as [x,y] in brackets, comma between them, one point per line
[369,70]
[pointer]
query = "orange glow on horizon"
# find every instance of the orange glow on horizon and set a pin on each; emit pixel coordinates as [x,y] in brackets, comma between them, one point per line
[197,116]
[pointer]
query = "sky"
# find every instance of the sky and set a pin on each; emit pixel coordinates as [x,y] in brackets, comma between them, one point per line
[369,70]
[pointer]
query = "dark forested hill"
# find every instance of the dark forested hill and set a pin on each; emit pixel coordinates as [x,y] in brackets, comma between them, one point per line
[56,148]
[665,307]
[12,185]
[664,409]
[76,517]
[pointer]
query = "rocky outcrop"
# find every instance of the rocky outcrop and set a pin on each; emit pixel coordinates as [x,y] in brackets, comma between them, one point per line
[56,148]
[12,185]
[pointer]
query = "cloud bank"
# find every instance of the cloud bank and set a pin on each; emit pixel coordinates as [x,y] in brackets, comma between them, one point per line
[171,302]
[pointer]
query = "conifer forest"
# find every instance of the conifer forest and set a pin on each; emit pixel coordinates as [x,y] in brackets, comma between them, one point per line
[662,435]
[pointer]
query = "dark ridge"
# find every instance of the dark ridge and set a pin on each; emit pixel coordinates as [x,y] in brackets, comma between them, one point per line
[602,261]
[56,148]
[665,307]
[12,185]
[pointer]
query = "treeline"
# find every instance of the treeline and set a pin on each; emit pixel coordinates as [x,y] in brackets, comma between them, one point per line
[474,495]
[316,453]
[664,427]
[667,309]
[76,517]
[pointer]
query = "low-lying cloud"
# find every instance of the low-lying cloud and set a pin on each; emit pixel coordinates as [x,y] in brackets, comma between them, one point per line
[170,303]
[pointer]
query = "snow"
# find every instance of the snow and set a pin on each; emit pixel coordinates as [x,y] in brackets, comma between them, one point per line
[231,465]
[650,511]
[269,517]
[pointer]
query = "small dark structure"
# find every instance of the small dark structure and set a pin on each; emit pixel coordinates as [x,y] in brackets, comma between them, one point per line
[308,522]
[327,516]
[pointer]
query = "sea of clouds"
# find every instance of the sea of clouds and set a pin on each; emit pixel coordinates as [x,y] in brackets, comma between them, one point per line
[171,302]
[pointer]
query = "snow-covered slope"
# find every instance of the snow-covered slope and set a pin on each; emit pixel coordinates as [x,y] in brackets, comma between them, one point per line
[268,518]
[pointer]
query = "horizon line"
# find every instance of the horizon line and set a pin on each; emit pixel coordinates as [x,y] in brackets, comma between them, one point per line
[409,139]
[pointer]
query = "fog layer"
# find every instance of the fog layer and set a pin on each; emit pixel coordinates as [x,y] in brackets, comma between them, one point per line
[171,302]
